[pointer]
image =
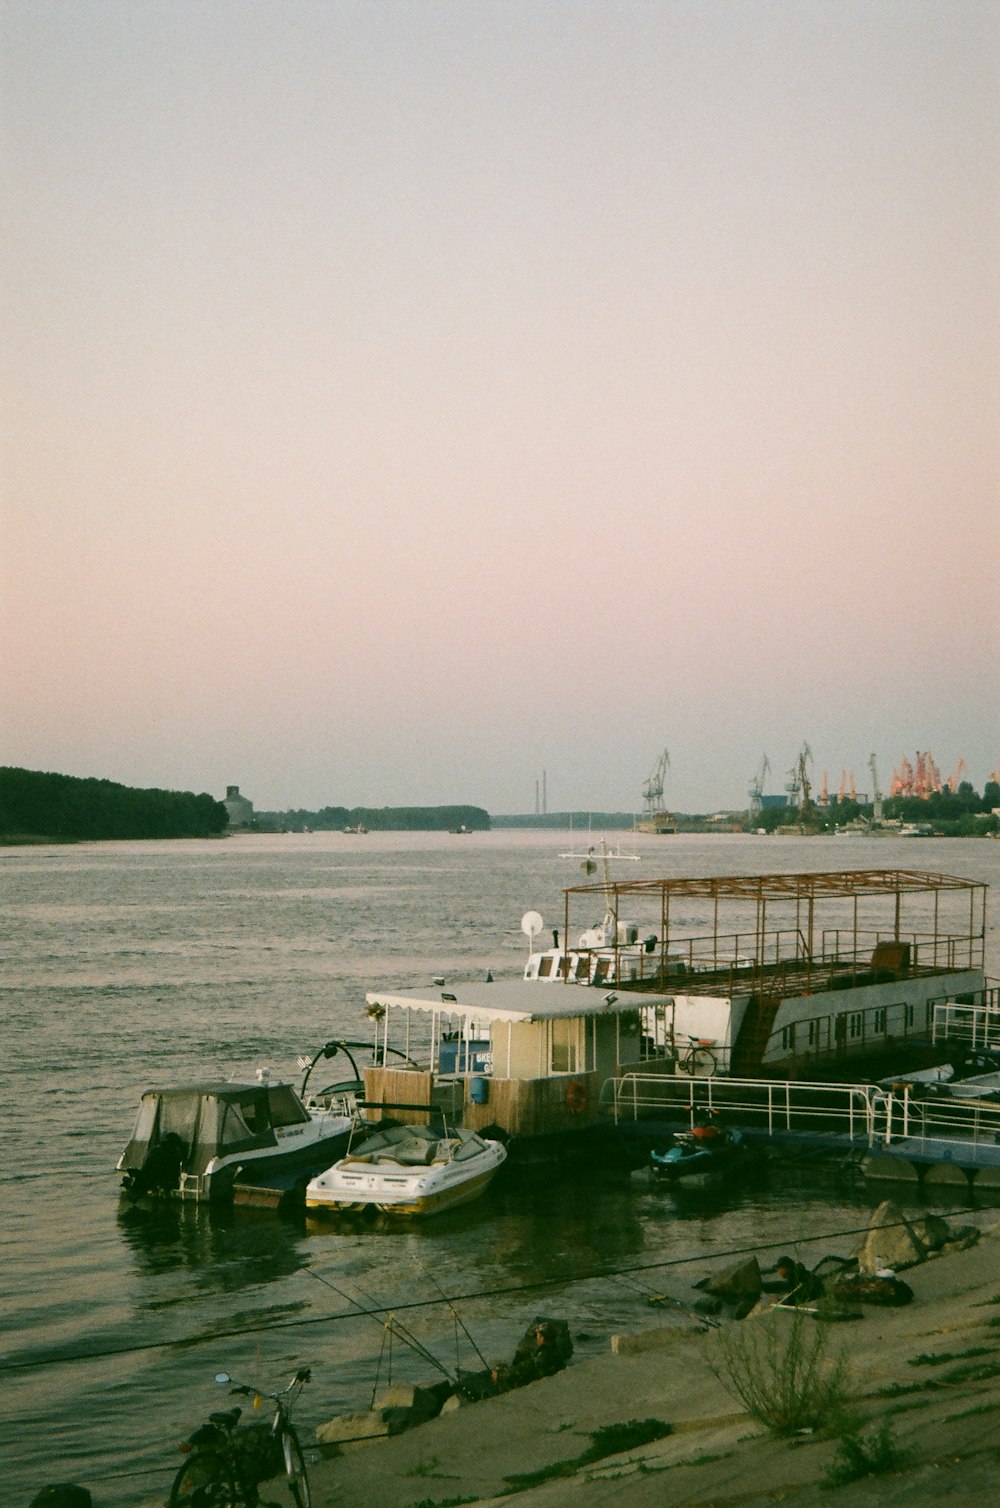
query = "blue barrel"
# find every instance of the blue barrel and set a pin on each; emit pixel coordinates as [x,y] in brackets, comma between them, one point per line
[479,1090]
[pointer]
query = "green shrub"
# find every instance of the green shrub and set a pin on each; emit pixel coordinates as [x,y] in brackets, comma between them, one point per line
[780,1369]
[865,1456]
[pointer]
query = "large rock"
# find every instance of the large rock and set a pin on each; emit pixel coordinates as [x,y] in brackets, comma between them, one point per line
[349,1430]
[735,1284]
[892,1243]
[931,1231]
[960,1240]
[404,1404]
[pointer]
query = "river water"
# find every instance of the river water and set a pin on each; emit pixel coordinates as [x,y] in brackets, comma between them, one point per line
[128,965]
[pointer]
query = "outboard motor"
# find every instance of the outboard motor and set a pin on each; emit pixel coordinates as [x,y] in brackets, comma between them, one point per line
[161,1171]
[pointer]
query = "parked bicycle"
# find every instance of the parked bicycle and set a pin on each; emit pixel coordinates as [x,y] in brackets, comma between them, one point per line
[227,1461]
[698,1057]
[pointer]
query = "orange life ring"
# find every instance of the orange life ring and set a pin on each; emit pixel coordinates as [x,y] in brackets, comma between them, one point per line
[576,1097]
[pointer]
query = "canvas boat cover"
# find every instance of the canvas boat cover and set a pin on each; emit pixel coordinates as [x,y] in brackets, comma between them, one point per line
[213,1120]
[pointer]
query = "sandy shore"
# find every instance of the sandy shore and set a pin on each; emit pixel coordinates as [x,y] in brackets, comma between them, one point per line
[946,1426]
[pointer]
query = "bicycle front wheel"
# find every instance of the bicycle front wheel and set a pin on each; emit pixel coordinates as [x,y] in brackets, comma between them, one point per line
[295,1469]
[204,1482]
[701,1062]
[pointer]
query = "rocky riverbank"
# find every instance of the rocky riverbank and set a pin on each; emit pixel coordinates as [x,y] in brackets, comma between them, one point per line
[920,1399]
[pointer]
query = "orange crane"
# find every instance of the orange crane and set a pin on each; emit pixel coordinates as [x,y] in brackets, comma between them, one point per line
[902,779]
[955,778]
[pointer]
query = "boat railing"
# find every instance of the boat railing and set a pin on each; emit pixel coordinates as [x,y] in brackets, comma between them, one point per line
[975,1024]
[774,1105]
[869,1113]
[923,1118]
[778,962]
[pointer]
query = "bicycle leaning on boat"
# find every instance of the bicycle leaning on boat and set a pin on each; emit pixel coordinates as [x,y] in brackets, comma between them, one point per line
[698,1058]
[228,1461]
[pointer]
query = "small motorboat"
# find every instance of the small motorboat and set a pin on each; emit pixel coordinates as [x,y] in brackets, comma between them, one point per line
[698,1163]
[206,1141]
[409,1170]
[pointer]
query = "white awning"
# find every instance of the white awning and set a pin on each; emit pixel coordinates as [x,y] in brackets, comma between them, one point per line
[517,1000]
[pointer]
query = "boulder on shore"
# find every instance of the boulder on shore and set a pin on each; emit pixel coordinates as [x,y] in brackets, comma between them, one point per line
[892,1242]
[735,1284]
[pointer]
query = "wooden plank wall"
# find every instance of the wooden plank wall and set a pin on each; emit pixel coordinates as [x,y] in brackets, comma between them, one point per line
[529,1106]
[407,1086]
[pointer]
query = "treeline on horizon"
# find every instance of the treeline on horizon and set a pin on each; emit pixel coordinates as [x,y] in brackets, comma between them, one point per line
[962,813]
[35,804]
[378,819]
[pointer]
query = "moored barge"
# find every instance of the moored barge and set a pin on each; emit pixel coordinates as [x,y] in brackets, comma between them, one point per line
[826,974]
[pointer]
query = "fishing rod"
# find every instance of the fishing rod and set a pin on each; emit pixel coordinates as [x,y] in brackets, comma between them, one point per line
[381,1309]
[457,1318]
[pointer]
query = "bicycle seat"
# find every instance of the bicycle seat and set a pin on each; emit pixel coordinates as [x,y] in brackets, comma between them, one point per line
[226,1420]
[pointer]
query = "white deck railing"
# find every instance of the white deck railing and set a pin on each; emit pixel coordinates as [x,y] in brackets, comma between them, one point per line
[976,1025]
[862,1112]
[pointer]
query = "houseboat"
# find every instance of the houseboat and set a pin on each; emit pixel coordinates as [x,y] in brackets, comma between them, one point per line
[765,976]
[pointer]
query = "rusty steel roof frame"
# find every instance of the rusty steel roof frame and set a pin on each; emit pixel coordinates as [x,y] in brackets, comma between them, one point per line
[808,889]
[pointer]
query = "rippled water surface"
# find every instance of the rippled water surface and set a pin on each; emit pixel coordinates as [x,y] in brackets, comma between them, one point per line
[132,964]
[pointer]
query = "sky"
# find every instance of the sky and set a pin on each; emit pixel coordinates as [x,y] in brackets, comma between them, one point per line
[403,398]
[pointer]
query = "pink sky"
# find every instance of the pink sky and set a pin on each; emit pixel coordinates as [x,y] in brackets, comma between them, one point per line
[403,398]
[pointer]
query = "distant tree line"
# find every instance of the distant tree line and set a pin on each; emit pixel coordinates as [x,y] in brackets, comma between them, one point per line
[582,822]
[39,805]
[378,819]
[961,814]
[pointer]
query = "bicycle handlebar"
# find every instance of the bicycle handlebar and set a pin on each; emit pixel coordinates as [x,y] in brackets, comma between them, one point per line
[302,1376]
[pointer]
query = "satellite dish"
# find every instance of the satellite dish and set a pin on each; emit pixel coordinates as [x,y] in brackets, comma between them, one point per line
[531,923]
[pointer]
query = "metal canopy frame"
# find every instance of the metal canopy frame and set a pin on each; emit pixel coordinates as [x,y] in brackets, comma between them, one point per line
[810,891]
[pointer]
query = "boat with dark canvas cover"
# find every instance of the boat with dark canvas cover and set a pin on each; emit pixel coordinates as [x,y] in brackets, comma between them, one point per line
[200,1141]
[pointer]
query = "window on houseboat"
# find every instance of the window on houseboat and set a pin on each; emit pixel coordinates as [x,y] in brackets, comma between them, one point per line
[563,1046]
[788,1038]
[908,1013]
[544,966]
[811,1033]
[857,1023]
[878,1024]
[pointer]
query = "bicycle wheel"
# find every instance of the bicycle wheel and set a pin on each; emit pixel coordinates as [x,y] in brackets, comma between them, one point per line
[295,1469]
[204,1482]
[701,1061]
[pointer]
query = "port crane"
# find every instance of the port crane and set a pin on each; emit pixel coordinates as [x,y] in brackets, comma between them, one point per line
[756,789]
[652,791]
[876,793]
[797,786]
[957,776]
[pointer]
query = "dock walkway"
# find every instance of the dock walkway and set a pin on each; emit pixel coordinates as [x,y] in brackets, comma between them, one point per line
[894,1133]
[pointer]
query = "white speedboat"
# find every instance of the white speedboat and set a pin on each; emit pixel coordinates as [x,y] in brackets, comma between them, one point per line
[206,1141]
[409,1170]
